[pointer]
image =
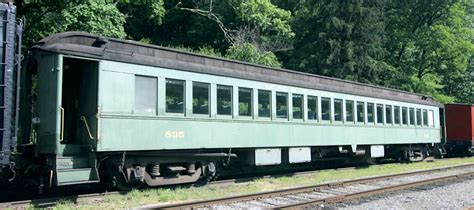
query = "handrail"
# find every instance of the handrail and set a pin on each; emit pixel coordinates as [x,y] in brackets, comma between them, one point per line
[61,138]
[83,118]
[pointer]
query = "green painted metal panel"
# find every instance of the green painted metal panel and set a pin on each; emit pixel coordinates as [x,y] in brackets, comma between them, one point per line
[122,86]
[122,130]
[72,162]
[68,176]
[121,92]
[49,102]
[152,133]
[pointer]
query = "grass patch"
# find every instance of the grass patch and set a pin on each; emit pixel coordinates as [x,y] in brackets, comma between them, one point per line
[64,204]
[137,198]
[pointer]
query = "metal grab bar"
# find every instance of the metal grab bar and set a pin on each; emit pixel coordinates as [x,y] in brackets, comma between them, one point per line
[83,118]
[61,138]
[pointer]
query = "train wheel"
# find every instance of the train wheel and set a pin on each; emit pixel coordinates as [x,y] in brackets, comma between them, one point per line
[210,172]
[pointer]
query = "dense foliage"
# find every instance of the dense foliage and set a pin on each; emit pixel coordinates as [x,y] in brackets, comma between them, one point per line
[419,46]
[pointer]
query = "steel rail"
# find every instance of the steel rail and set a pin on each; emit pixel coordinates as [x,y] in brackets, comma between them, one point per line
[295,190]
[47,202]
[294,174]
[351,196]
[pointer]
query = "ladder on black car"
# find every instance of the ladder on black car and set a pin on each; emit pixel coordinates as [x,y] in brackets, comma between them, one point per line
[9,30]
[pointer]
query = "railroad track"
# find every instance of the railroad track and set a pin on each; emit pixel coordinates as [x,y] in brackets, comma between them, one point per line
[310,196]
[82,198]
[48,202]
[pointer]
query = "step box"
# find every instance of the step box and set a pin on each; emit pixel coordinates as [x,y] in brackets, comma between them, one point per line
[75,176]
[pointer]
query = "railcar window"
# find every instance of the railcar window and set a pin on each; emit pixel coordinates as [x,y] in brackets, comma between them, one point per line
[425,117]
[174,96]
[370,113]
[431,118]
[412,116]
[224,100]
[337,109]
[297,106]
[418,117]
[388,114]
[200,98]
[380,113]
[145,94]
[325,108]
[360,112]
[404,116]
[312,108]
[350,111]
[264,98]
[282,105]
[245,102]
[396,110]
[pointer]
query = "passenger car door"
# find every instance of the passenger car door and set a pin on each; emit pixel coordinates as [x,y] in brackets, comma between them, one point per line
[49,102]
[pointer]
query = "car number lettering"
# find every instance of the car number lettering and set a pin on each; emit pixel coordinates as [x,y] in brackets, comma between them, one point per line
[174,134]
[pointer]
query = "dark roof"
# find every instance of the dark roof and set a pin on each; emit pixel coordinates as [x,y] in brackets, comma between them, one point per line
[459,104]
[93,46]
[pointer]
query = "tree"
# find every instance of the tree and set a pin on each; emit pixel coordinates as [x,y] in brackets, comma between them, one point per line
[245,52]
[343,39]
[264,25]
[93,16]
[142,17]
[416,46]
[257,28]
[430,45]
[250,53]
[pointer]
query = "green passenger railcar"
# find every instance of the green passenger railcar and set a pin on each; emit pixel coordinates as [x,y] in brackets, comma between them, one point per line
[126,112]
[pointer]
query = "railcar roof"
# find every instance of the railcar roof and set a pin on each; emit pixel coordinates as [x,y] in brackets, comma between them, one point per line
[459,104]
[93,46]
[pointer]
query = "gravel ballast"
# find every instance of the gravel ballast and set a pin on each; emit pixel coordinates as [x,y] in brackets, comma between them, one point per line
[458,195]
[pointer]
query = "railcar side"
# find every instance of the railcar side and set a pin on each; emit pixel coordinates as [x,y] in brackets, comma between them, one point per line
[459,128]
[118,111]
[259,114]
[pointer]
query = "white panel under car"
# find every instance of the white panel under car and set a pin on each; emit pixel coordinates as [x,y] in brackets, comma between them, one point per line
[299,155]
[265,157]
[377,151]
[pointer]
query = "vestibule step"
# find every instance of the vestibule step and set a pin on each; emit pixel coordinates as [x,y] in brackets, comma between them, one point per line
[73,149]
[76,176]
[72,162]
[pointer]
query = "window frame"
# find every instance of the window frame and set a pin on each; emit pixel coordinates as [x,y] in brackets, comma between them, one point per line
[353,111]
[208,99]
[301,96]
[341,109]
[364,116]
[312,97]
[184,98]
[405,116]
[251,102]
[411,116]
[330,109]
[431,113]
[227,87]
[424,121]
[373,112]
[395,115]
[380,119]
[389,107]
[269,103]
[418,110]
[287,95]
[142,112]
